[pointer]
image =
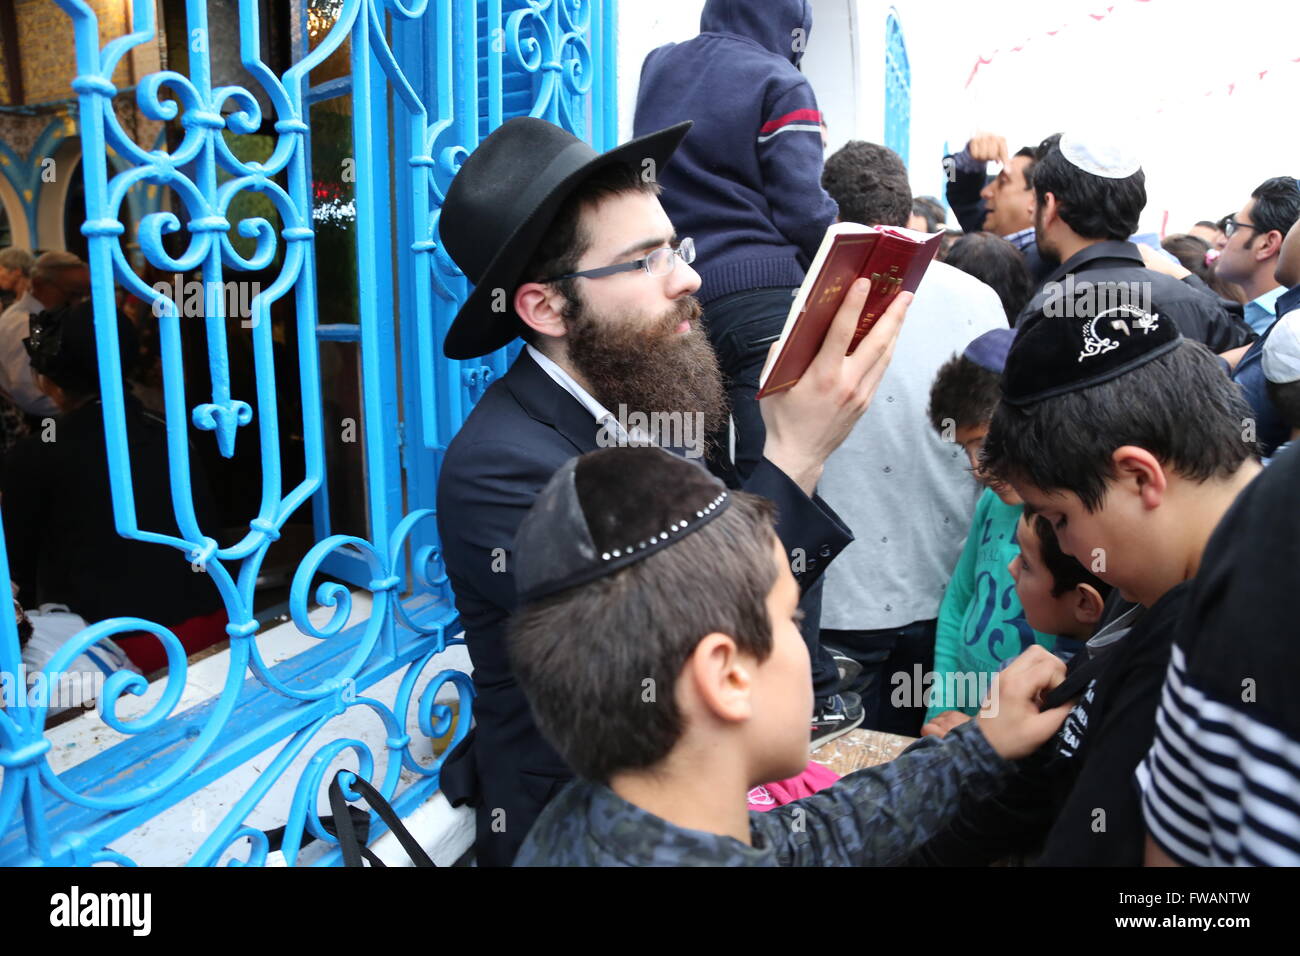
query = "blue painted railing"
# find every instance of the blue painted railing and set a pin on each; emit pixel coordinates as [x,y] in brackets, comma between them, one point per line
[425,81]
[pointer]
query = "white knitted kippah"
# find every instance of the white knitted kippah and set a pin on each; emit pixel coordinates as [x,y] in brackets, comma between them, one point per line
[1281,359]
[1100,156]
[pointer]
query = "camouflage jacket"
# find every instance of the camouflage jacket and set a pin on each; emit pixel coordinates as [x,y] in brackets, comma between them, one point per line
[871,817]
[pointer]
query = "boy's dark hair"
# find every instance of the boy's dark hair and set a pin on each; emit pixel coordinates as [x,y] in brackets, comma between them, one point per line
[996,262]
[1277,206]
[566,242]
[1093,206]
[1066,571]
[600,662]
[1180,407]
[963,395]
[931,210]
[869,182]
[1286,399]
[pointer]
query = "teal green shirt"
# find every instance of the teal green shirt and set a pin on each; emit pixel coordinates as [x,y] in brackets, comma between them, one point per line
[981,624]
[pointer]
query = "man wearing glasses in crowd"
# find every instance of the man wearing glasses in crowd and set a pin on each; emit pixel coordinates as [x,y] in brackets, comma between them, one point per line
[571,250]
[1253,242]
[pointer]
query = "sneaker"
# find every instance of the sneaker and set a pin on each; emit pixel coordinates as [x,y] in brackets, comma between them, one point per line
[834,717]
[847,666]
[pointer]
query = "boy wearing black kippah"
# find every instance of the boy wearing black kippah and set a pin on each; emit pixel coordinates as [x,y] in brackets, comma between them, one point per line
[1131,442]
[671,692]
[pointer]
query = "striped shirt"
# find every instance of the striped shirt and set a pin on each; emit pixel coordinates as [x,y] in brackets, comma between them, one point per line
[1221,782]
[1219,786]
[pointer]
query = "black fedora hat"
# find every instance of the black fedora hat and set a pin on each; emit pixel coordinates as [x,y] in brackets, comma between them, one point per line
[500,205]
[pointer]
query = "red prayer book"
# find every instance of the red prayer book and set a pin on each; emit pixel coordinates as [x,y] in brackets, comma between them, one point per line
[893,258]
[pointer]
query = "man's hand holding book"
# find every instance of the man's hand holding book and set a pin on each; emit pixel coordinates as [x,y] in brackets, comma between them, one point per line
[810,419]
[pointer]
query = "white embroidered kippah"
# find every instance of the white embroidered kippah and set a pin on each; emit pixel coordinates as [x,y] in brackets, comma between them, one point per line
[1281,359]
[1099,156]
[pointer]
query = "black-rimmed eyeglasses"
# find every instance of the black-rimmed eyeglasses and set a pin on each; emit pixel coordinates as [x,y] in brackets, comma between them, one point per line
[1231,225]
[658,263]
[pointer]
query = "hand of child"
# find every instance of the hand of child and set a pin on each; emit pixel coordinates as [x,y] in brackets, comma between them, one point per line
[1010,718]
[943,723]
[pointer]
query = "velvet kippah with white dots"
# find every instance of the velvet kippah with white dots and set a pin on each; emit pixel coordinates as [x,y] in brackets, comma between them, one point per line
[606,510]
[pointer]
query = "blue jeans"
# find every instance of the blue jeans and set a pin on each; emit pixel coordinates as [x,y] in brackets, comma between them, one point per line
[742,327]
[883,654]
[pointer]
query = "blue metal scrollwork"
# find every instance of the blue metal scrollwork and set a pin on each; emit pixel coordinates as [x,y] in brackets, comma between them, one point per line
[452,71]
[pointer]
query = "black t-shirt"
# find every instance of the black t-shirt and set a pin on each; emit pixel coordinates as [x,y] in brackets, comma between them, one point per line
[1074,802]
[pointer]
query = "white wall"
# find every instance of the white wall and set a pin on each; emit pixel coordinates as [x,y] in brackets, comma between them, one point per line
[1141,70]
[642,26]
[832,64]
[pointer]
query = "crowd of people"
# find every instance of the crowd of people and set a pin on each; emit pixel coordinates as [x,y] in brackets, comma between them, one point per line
[1052,486]
[65,554]
[1044,518]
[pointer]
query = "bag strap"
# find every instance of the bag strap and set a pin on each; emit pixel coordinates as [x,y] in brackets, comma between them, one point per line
[354,848]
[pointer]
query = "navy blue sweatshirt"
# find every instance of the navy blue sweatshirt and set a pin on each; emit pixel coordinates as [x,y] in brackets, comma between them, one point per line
[746,181]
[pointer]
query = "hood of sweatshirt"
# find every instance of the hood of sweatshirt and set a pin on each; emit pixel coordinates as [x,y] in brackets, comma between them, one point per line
[770,23]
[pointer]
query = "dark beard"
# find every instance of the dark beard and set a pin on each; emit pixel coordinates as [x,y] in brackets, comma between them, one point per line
[648,368]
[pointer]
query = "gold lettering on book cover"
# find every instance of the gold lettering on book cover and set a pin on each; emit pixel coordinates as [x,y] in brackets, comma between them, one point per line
[829,293]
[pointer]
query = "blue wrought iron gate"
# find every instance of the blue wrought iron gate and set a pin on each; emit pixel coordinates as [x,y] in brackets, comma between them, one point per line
[347,233]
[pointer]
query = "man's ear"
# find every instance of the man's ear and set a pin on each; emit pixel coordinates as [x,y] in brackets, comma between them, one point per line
[541,307]
[1142,472]
[1088,604]
[1269,245]
[1051,210]
[720,678]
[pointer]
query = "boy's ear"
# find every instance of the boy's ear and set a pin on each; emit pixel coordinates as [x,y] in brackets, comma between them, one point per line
[1143,472]
[720,679]
[541,308]
[1088,604]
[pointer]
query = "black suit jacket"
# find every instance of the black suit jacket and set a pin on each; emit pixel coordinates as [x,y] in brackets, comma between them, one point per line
[1199,313]
[522,430]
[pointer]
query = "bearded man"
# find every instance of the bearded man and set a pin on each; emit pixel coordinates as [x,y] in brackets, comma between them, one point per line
[571,250]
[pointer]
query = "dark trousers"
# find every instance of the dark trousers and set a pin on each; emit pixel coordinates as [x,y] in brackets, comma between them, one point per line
[742,327]
[890,702]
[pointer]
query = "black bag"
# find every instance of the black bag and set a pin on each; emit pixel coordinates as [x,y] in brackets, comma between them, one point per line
[351,825]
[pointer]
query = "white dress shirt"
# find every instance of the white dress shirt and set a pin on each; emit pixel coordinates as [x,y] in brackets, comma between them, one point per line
[599,412]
